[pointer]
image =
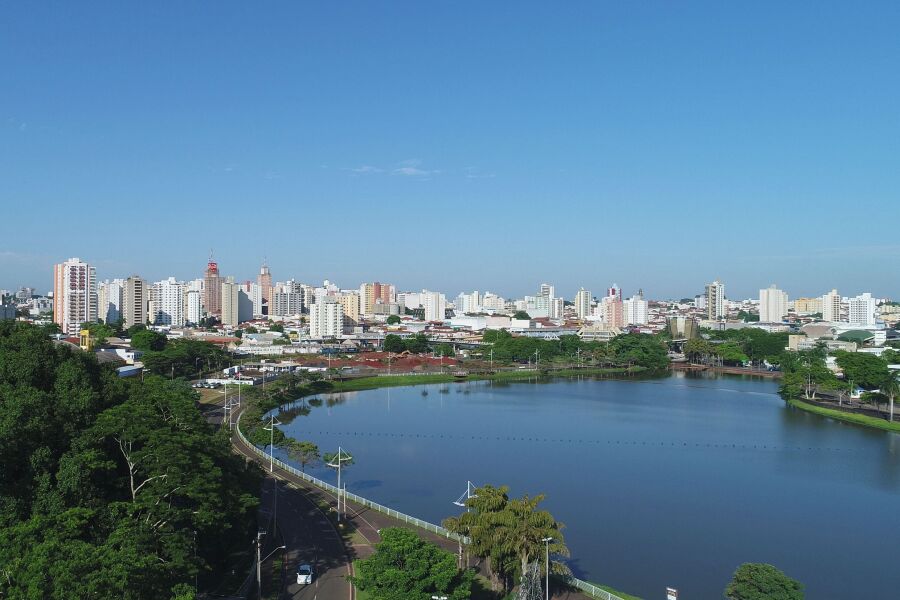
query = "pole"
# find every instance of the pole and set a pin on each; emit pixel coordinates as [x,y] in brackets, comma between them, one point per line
[339,484]
[272,445]
[547,541]
[258,566]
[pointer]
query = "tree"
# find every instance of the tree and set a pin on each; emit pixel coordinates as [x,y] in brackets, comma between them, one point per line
[867,370]
[521,529]
[891,388]
[405,567]
[393,320]
[417,344]
[444,350]
[757,581]
[146,339]
[304,453]
[99,332]
[696,349]
[393,343]
[278,327]
[522,315]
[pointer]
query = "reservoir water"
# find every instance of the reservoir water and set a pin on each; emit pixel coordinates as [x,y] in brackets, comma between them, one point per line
[660,482]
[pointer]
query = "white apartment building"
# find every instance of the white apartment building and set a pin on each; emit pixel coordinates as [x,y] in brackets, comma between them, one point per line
[435,304]
[469,303]
[74,295]
[831,307]
[193,309]
[715,301]
[326,319]
[289,299]
[636,310]
[167,300]
[773,305]
[492,302]
[583,303]
[110,296]
[862,311]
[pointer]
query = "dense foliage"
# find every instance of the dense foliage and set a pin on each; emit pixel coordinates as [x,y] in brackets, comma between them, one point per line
[508,533]
[405,567]
[415,343]
[111,488]
[629,350]
[184,358]
[739,346]
[757,581]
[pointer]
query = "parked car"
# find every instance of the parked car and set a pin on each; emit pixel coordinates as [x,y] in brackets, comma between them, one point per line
[304,574]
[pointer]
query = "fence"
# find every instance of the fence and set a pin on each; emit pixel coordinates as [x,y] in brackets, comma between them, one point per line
[584,586]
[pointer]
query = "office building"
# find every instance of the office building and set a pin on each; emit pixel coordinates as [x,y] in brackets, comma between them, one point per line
[715,301]
[135,302]
[74,295]
[326,319]
[366,298]
[773,305]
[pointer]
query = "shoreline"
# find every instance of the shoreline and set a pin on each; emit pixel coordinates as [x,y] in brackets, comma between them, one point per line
[846,417]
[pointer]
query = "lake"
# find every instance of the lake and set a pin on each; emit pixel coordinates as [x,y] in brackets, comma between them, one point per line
[660,482]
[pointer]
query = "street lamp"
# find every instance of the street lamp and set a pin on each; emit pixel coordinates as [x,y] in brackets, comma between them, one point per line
[547,541]
[260,561]
[271,428]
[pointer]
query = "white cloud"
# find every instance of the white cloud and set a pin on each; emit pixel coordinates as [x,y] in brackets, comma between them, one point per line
[367,170]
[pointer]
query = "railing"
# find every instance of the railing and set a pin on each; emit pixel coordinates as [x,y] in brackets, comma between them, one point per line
[584,586]
[354,497]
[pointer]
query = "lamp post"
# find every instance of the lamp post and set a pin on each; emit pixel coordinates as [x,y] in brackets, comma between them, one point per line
[260,561]
[271,429]
[547,541]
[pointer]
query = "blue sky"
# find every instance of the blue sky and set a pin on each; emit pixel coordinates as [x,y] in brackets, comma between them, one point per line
[456,145]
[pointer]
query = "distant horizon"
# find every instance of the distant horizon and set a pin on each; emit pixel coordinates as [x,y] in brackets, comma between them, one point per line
[456,146]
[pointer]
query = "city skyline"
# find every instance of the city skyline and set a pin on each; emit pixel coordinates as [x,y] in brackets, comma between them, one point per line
[659,146]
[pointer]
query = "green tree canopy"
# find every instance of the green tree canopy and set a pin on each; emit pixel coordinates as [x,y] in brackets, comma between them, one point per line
[146,339]
[521,314]
[393,343]
[405,567]
[866,370]
[757,581]
[393,320]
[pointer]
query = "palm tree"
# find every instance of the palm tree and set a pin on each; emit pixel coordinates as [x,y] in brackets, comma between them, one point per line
[891,388]
[522,529]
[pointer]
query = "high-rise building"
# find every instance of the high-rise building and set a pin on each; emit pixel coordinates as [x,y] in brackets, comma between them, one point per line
[237,307]
[773,304]
[635,310]
[110,295]
[715,301]
[862,311]
[350,303]
[212,289]
[366,298]
[167,301]
[612,309]
[548,290]
[435,304]
[614,291]
[383,293]
[492,302]
[808,306]
[831,306]
[557,308]
[74,295]
[135,299]
[326,319]
[264,281]
[193,310]
[583,303]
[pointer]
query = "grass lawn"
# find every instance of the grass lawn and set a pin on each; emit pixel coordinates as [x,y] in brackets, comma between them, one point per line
[854,418]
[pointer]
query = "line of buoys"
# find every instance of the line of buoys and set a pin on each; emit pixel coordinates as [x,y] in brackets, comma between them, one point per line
[651,444]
